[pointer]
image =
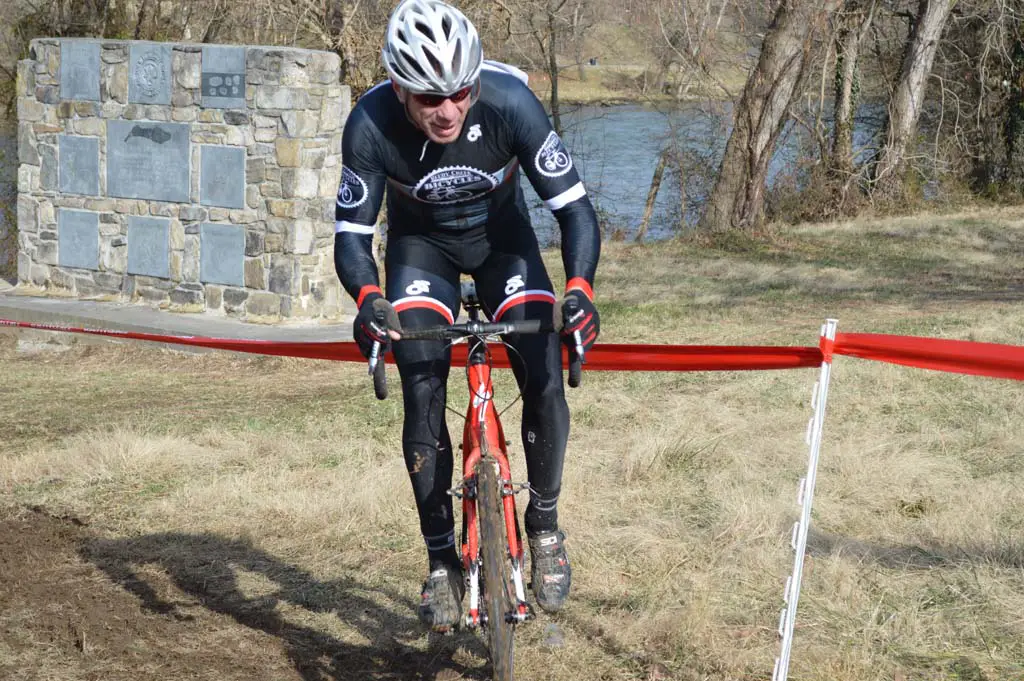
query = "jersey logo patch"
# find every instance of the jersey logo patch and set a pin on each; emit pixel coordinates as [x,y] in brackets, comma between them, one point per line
[552,159]
[418,287]
[513,284]
[474,133]
[352,192]
[453,184]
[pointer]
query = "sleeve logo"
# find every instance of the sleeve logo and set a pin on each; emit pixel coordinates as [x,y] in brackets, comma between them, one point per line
[352,192]
[552,159]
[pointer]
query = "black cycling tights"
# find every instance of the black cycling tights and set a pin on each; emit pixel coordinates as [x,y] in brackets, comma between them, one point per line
[427,445]
[422,281]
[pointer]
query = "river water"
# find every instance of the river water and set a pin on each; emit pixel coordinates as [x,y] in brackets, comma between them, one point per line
[616,150]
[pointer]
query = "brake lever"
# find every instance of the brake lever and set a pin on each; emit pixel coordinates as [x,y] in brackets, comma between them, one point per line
[374,356]
[579,346]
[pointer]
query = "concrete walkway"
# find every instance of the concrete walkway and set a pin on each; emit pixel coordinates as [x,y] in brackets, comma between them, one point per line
[18,307]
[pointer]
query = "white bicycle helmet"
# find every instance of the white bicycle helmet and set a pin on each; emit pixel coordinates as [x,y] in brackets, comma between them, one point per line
[431,47]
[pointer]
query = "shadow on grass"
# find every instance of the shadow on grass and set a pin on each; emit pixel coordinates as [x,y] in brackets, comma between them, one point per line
[206,566]
[924,556]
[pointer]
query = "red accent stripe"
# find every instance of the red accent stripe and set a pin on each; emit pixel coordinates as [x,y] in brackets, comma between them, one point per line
[580,284]
[528,298]
[365,291]
[590,338]
[428,304]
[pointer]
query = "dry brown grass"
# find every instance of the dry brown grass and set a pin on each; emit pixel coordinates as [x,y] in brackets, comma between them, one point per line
[679,488]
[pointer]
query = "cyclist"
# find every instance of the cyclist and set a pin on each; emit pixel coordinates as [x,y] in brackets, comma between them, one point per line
[447,135]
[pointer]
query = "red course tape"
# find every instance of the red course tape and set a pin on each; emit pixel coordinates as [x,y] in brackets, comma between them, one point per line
[602,357]
[965,357]
[956,356]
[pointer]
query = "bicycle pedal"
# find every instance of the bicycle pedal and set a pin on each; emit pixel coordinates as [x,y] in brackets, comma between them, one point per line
[518,617]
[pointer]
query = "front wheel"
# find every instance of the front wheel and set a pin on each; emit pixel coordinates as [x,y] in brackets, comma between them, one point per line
[496,568]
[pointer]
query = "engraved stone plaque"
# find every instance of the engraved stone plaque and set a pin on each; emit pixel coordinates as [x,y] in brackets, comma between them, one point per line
[78,239]
[149,77]
[79,164]
[80,70]
[222,176]
[147,160]
[224,77]
[222,254]
[149,246]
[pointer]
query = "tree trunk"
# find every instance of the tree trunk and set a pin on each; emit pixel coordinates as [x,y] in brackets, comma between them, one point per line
[577,37]
[1015,123]
[336,22]
[556,117]
[737,201]
[142,19]
[908,95]
[854,27]
[652,194]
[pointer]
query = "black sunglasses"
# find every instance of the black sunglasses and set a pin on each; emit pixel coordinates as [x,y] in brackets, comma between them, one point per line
[431,100]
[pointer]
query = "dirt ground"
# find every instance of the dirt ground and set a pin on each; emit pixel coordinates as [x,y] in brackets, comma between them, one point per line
[74,605]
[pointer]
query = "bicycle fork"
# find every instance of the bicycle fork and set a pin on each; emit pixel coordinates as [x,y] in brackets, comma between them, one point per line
[482,425]
[521,611]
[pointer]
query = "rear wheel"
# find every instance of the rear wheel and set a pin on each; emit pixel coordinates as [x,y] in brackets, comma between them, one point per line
[496,568]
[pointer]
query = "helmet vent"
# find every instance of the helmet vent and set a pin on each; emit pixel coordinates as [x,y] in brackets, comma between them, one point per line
[457,58]
[411,61]
[435,64]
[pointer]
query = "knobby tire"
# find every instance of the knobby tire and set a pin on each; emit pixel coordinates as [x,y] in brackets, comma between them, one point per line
[497,582]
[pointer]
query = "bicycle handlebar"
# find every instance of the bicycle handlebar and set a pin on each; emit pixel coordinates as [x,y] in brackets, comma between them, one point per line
[470,330]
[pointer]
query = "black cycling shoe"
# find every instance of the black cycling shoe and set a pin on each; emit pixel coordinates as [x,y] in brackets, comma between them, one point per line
[441,604]
[550,573]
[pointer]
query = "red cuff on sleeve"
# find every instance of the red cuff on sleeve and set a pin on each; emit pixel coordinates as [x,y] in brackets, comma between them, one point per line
[580,284]
[365,291]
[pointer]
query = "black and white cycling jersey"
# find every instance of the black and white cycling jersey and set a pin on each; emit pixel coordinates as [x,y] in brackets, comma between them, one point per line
[467,185]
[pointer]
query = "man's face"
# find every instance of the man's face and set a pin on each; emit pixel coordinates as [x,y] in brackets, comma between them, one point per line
[439,117]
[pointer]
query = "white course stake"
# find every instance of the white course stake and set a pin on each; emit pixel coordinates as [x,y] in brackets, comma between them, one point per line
[805,496]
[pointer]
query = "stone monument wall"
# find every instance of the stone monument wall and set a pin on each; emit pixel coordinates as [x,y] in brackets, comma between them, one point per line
[191,177]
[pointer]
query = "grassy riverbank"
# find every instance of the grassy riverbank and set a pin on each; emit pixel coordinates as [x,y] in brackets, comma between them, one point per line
[229,517]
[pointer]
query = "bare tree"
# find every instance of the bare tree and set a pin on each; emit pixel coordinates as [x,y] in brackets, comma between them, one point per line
[737,200]
[978,67]
[551,28]
[1014,125]
[908,95]
[688,37]
[852,25]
